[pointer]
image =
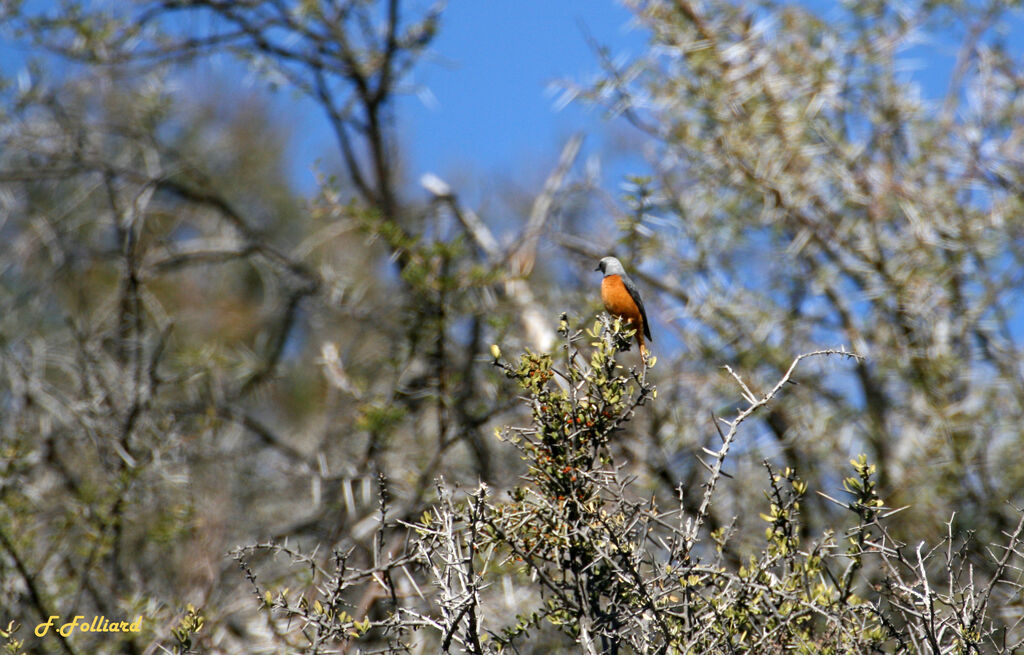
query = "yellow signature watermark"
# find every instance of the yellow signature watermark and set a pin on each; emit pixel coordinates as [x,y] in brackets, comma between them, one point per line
[98,624]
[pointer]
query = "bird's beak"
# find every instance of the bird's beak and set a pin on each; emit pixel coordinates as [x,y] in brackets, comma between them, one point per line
[598,268]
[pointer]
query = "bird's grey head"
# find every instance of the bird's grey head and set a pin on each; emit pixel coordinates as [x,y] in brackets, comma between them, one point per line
[611,266]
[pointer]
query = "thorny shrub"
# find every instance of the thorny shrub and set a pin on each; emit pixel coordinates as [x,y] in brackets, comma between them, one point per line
[575,558]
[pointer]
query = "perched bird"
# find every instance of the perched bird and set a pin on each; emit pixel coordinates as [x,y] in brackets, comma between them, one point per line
[622,298]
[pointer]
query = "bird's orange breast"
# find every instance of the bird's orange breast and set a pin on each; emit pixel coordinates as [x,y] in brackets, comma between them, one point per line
[617,300]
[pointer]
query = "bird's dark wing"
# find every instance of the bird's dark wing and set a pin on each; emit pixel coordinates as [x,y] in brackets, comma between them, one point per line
[634,293]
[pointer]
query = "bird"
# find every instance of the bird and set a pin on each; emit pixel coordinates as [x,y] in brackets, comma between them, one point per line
[622,298]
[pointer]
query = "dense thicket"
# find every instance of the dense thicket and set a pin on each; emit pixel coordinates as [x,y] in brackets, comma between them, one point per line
[259,418]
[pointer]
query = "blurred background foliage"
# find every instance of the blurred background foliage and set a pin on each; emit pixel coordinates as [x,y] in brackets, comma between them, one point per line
[194,354]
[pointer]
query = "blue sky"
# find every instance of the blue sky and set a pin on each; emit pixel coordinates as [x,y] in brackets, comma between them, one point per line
[487,100]
[487,106]
[483,100]
[493,74]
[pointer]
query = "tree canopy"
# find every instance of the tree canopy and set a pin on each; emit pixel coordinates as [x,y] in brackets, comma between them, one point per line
[374,418]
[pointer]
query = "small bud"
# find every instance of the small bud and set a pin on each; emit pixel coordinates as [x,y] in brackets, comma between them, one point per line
[495,351]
